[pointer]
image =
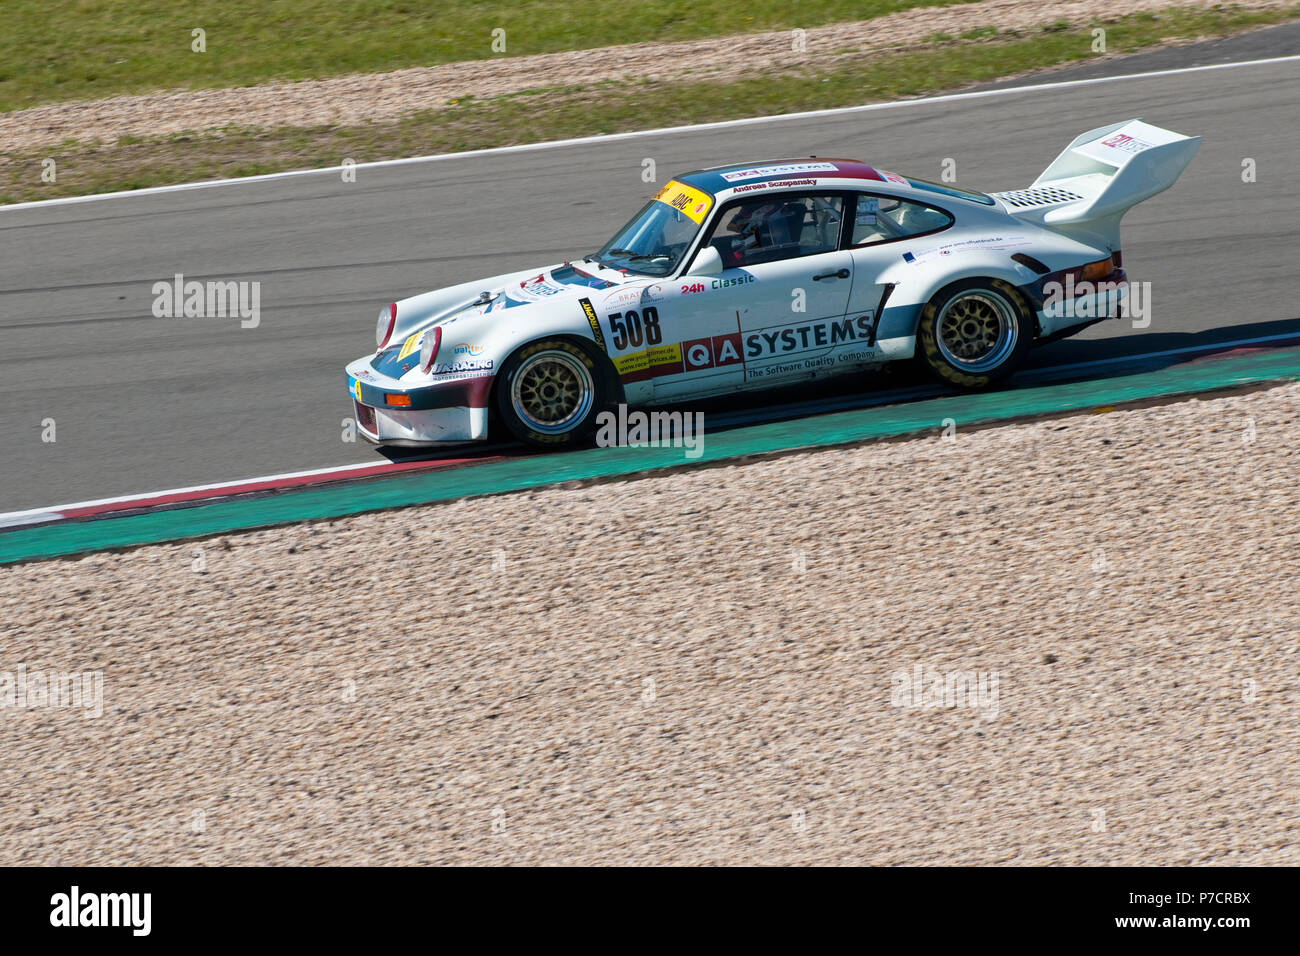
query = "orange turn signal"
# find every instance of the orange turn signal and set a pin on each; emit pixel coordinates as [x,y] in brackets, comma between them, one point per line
[401,400]
[1097,270]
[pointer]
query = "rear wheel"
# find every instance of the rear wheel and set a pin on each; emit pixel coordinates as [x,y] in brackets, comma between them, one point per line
[974,333]
[549,393]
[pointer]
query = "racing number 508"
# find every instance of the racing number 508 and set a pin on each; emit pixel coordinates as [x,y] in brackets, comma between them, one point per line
[627,328]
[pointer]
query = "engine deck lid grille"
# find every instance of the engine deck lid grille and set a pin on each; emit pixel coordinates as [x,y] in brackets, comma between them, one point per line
[1033,196]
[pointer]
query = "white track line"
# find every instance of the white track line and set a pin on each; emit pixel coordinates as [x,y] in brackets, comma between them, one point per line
[698,127]
[39,516]
[35,515]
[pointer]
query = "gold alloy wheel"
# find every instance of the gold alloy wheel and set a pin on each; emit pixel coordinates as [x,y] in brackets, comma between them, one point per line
[552,391]
[977,330]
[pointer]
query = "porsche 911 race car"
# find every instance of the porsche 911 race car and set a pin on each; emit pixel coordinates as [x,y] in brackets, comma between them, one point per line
[756,276]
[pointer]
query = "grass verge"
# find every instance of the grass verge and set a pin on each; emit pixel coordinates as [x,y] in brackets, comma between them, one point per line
[100,48]
[566,112]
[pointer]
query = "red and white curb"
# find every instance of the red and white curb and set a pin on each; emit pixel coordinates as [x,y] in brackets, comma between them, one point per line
[205,494]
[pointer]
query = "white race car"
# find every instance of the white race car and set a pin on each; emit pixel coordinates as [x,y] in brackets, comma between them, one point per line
[755,276]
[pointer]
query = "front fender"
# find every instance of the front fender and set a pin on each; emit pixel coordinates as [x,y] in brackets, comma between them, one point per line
[480,342]
[500,333]
[417,311]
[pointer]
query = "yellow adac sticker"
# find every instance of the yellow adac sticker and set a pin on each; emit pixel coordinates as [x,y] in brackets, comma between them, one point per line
[356,388]
[411,344]
[686,199]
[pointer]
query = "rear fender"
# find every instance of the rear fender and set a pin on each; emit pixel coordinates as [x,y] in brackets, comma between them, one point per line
[915,284]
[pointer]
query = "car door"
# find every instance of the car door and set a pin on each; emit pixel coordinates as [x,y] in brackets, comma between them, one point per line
[776,309]
[883,232]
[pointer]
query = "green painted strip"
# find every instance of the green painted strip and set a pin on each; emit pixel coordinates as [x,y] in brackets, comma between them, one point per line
[832,429]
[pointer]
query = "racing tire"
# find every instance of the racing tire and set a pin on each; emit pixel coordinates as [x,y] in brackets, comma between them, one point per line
[549,393]
[974,333]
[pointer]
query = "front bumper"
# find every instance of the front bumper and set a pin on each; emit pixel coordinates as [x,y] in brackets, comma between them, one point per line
[443,413]
[430,426]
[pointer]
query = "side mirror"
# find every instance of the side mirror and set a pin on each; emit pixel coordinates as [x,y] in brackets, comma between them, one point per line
[708,262]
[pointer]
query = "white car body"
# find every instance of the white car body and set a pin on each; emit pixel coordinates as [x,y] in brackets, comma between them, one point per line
[720,329]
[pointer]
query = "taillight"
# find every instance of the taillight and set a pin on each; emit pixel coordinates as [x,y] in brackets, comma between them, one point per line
[1078,281]
[429,345]
[387,322]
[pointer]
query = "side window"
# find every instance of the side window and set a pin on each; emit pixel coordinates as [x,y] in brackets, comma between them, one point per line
[777,227]
[883,218]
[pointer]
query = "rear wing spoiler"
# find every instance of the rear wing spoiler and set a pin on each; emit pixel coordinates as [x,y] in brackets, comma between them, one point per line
[1100,176]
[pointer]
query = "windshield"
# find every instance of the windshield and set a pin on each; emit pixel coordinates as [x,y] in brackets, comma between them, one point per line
[656,238]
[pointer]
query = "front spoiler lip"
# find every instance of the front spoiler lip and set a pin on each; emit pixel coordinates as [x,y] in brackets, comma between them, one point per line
[374,439]
[422,428]
[420,443]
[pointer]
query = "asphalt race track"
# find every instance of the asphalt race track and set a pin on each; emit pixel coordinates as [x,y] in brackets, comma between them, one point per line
[143,403]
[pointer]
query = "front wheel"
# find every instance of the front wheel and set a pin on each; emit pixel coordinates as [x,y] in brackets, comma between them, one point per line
[549,393]
[974,333]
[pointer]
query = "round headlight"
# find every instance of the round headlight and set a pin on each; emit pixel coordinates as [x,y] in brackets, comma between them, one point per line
[429,344]
[384,327]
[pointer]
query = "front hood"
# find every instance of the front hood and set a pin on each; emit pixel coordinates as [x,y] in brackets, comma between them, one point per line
[497,294]
[567,280]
